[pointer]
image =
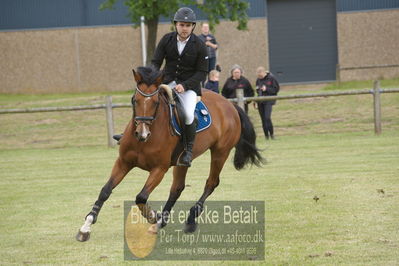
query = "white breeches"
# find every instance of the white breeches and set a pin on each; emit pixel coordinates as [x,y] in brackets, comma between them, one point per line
[188,100]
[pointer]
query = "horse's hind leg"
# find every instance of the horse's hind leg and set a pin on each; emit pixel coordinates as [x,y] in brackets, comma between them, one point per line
[218,158]
[119,171]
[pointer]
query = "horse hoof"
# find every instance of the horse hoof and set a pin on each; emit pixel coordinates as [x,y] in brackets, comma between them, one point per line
[153,217]
[82,237]
[190,228]
[153,229]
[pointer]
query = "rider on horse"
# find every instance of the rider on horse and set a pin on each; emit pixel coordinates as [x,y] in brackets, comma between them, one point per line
[185,68]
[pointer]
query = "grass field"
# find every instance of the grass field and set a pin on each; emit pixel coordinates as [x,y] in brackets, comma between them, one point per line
[52,166]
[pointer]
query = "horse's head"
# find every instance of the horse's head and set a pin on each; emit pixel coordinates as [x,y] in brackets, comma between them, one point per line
[146,100]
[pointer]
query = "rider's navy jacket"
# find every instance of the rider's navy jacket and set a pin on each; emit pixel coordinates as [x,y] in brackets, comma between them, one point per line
[190,68]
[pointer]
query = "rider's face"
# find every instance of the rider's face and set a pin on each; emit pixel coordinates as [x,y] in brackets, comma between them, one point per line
[184,29]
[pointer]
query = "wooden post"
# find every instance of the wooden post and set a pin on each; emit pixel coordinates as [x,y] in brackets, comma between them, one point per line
[110,120]
[240,98]
[377,107]
[338,74]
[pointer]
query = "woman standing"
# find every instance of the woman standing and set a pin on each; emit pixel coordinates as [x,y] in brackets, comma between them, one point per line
[237,81]
[266,85]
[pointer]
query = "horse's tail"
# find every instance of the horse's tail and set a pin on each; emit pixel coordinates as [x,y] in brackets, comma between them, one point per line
[246,150]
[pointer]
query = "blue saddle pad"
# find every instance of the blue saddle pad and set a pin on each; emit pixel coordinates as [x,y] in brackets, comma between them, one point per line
[201,113]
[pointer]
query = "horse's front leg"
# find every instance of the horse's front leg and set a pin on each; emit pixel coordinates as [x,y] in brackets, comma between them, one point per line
[178,185]
[153,180]
[119,171]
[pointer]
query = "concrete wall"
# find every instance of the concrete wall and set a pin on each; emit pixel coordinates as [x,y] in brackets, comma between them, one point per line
[68,60]
[249,48]
[368,39]
[101,58]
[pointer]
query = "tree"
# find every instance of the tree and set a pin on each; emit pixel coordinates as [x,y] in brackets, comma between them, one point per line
[152,10]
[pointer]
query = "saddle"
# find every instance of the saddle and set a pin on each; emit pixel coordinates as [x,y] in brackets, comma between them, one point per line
[202,116]
[203,120]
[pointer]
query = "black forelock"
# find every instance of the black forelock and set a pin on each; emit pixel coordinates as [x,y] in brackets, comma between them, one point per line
[148,74]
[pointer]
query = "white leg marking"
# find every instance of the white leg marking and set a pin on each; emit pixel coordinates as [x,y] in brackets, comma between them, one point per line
[86,226]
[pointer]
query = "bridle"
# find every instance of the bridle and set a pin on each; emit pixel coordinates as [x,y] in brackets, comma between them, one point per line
[144,119]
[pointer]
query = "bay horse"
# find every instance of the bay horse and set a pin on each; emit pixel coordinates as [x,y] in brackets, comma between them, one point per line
[148,143]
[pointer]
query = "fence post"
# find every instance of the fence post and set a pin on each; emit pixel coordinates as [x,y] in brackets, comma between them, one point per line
[110,121]
[240,98]
[377,107]
[338,74]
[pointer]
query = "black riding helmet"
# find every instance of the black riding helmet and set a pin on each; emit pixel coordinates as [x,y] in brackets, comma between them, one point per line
[185,14]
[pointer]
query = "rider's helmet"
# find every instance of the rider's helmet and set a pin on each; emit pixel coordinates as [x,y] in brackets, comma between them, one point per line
[185,14]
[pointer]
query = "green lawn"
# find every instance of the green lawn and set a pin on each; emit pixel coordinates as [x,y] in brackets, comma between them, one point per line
[52,166]
[45,194]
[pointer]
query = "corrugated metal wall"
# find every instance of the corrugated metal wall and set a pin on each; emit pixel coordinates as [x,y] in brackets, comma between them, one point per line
[359,5]
[29,14]
[303,40]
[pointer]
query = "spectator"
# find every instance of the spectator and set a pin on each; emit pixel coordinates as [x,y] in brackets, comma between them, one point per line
[266,85]
[211,45]
[236,81]
[213,81]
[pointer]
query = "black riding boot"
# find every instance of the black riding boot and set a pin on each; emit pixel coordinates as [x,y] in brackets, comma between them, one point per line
[189,137]
[118,138]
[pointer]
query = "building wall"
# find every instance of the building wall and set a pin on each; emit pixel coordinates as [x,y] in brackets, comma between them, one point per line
[68,60]
[248,48]
[368,39]
[101,58]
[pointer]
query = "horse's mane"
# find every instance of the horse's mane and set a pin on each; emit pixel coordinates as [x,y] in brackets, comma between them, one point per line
[148,74]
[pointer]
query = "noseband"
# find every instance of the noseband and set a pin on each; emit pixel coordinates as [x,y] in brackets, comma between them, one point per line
[144,119]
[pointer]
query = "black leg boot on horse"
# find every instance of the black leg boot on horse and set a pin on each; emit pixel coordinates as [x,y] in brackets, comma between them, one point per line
[91,217]
[188,138]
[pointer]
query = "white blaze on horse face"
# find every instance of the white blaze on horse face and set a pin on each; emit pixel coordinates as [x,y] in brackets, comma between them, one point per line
[143,132]
[146,99]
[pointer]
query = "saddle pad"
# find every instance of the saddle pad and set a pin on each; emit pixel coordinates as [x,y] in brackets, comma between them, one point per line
[203,116]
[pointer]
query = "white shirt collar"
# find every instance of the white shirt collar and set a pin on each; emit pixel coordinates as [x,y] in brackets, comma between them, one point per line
[181,44]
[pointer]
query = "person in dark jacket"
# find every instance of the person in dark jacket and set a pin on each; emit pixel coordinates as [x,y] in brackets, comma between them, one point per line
[186,66]
[236,81]
[213,82]
[211,44]
[266,85]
